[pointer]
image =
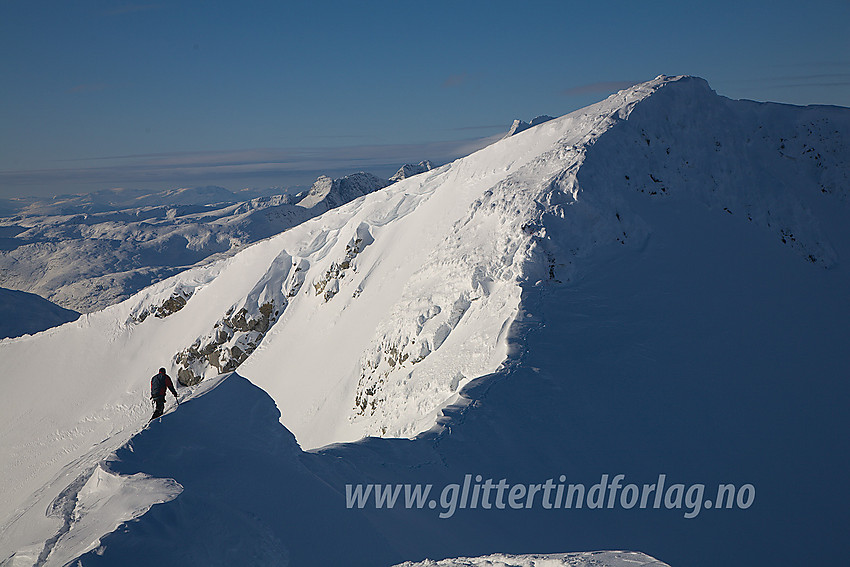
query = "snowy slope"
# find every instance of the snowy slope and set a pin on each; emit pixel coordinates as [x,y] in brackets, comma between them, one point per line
[514,297]
[26,313]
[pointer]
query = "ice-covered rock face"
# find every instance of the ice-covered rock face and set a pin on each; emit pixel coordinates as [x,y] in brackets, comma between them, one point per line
[242,327]
[174,303]
[328,285]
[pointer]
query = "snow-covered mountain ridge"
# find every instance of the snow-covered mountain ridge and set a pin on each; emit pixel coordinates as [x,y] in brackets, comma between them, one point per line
[374,316]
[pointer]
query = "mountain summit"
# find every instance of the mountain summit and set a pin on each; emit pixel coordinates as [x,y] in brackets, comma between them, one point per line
[649,285]
[327,193]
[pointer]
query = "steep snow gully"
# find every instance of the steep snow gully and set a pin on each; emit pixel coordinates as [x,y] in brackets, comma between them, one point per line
[652,285]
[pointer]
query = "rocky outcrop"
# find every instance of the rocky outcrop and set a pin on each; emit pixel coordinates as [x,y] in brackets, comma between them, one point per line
[173,304]
[410,344]
[242,328]
[235,337]
[328,285]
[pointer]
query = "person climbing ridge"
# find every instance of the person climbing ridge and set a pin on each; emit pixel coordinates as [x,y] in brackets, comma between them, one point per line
[159,383]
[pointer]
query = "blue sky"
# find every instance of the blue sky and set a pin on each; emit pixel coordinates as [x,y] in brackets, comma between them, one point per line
[99,94]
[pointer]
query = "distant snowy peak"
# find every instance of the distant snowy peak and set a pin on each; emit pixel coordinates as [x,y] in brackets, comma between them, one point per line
[408,170]
[327,193]
[24,313]
[521,125]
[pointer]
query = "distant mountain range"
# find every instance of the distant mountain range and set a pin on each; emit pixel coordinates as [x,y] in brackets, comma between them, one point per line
[85,252]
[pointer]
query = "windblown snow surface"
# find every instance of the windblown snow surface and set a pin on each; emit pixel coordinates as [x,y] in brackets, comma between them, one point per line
[651,285]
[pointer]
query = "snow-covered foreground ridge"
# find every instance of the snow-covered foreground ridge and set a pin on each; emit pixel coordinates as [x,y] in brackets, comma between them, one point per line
[587,559]
[370,318]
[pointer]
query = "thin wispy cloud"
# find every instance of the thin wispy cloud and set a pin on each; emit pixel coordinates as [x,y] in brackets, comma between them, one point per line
[823,64]
[456,80]
[813,84]
[819,80]
[603,87]
[287,166]
[132,8]
[88,88]
[818,76]
[334,136]
[793,78]
[481,127]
